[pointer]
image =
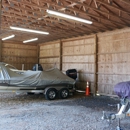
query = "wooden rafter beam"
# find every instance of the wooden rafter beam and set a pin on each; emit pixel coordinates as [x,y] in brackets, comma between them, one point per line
[95,21]
[60,33]
[0,14]
[126,1]
[88,14]
[46,19]
[101,11]
[112,6]
[33,26]
[54,4]
[38,15]
[108,27]
[52,28]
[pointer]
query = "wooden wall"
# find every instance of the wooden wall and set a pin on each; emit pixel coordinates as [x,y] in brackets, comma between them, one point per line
[113,59]
[74,53]
[49,55]
[103,59]
[79,54]
[0,50]
[17,54]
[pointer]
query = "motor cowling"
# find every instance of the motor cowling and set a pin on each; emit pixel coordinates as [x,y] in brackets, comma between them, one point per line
[37,67]
[72,73]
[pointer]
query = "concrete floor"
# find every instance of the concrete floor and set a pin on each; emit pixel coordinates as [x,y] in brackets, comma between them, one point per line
[78,112]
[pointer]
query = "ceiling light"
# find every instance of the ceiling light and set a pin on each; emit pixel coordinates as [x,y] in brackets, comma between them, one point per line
[28,30]
[68,16]
[8,37]
[30,40]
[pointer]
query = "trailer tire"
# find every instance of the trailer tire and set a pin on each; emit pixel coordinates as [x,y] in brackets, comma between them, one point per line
[51,94]
[63,93]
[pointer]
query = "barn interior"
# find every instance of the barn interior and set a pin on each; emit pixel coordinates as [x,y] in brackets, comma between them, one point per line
[99,49]
[91,36]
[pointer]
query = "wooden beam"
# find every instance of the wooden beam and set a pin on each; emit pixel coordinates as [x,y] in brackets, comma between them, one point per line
[0,50]
[38,53]
[64,25]
[46,19]
[108,4]
[0,31]
[88,14]
[96,64]
[61,53]
[101,11]
[126,1]
[52,29]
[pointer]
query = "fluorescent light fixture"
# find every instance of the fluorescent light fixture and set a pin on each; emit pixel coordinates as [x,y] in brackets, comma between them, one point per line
[30,40]
[68,16]
[8,37]
[28,30]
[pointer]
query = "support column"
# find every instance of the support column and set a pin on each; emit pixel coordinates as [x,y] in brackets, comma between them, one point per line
[38,53]
[96,66]
[0,50]
[60,55]
[0,31]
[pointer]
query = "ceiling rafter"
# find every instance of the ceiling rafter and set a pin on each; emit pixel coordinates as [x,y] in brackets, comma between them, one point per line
[88,14]
[74,11]
[112,6]
[126,1]
[31,4]
[98,10]
[60,32]
[40,22]
[52,3]
[33,15]
[105,15]
[64,28]
[114,15]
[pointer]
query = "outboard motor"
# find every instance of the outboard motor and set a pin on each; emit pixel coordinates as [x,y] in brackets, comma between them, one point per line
[72,73]
[37,67]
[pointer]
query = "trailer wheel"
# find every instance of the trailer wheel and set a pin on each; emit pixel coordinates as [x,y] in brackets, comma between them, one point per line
[51,94]
[63,93]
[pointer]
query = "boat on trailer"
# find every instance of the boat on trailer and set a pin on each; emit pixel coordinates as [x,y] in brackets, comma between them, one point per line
[51,82]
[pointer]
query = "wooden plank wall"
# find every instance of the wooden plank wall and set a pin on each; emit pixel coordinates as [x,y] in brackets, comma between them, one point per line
[0,50]
[17,54]
[102,59]
[113,59]
[49,55]
[79,54]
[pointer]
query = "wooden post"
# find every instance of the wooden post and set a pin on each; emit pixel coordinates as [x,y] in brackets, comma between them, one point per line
[60,55]
[38,53]
[95,65]
[0,31]
[0,16]
[0,50]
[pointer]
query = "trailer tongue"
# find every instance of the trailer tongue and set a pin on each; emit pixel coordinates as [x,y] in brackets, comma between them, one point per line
[122,89]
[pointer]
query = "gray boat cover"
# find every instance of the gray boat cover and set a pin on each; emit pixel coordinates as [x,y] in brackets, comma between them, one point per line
[33,78]
[122,89]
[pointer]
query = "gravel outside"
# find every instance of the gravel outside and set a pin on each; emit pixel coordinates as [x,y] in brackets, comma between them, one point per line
[78,112]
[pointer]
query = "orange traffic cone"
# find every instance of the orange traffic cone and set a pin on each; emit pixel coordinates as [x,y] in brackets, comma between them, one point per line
[87,89]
